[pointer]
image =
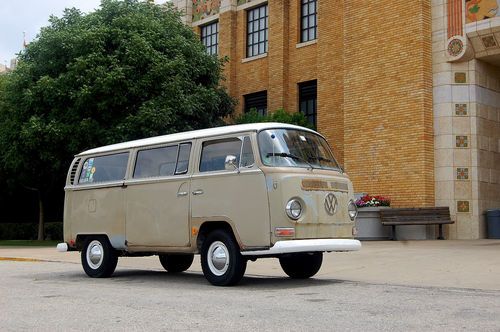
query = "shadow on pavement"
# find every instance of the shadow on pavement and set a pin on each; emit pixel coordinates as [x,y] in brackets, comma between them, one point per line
[137,277]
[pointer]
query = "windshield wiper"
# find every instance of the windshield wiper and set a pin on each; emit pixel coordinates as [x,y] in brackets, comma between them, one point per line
[289,155]
[319,158]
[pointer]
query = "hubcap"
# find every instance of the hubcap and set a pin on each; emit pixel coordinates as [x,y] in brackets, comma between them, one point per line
[218,258]
[95,254]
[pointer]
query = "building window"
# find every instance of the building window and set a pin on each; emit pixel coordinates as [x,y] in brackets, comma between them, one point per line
[210,37]
[309,22]
[257,23]
[308,101]
[256,101]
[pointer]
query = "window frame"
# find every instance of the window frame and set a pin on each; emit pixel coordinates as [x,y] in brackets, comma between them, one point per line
[211,49]
[253,37]
[306,16]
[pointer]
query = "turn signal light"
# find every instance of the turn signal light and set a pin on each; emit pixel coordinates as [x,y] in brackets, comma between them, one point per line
[284,231]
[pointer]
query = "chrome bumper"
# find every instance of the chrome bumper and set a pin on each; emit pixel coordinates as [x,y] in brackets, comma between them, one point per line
[292,246]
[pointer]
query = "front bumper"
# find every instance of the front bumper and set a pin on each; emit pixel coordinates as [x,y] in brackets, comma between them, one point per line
[313,245]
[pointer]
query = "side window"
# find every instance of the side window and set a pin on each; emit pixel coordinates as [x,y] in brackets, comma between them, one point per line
[104,168]
[247,159]
[183,158]
[156,162]
[213,153]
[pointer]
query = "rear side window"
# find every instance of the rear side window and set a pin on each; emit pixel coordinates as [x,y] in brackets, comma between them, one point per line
[104,168]
[164,161]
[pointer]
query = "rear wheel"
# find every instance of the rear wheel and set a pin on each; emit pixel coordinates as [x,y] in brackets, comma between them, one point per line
[221,260]
[176,263]
[99,258]
[302,265]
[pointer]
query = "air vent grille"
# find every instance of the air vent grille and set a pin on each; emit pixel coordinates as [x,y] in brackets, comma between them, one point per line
[72,175]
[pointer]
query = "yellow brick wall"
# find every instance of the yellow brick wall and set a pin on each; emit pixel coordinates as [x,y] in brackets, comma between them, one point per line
[373,65]
[388,135]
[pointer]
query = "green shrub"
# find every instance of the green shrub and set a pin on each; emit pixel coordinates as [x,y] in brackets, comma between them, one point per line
[28,231]
[296,118]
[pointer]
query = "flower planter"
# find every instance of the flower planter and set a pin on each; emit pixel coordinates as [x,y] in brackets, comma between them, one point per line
[369,225]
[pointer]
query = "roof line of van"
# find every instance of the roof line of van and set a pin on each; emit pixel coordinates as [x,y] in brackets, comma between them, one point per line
[189,135]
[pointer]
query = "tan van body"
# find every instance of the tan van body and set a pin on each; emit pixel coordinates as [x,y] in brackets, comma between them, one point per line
[137,211]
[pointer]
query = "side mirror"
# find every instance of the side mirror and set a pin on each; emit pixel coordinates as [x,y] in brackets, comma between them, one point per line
[230,163]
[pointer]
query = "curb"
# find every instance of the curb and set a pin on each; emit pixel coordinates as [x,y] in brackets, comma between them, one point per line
[16,259]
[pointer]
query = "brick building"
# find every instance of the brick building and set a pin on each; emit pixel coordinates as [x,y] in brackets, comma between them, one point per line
[407,93]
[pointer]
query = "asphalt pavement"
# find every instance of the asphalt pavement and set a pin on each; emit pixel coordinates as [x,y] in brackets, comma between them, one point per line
[387,286]
[473,264]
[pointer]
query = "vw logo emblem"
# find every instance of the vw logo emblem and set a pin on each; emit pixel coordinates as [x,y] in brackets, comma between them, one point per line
[330,204]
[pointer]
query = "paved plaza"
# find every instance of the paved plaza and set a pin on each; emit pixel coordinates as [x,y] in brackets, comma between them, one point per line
[415,285]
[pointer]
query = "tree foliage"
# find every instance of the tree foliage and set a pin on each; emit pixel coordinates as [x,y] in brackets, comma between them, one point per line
[296,118]
[128,70]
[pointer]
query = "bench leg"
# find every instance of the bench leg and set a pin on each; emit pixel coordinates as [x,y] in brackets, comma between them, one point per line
[393,232]
[440,237]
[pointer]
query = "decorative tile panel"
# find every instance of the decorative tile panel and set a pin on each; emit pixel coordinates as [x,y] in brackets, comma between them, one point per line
[205,8]
[461,110]
[460,77]
[463,206]
[462,141]
[489,41]
[462,173]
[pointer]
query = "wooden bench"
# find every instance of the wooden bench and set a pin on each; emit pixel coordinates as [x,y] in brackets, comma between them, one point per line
[416,216]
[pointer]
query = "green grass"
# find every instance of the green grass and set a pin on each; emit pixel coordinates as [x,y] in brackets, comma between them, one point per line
[28,243]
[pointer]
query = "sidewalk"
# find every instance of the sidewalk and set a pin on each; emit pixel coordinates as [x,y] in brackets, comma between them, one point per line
[471,264]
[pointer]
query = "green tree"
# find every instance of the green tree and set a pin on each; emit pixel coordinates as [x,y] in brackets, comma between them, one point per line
[280,115]
[128,70]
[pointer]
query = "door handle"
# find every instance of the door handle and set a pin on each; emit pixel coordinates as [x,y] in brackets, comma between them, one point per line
[198,192]
[182,193]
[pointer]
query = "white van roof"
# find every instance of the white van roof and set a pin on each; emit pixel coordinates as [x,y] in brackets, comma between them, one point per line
[189,135]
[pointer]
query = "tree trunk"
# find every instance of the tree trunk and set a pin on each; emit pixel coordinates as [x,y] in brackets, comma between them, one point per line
[41,236]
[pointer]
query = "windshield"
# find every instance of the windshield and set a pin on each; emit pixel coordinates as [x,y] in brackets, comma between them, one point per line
[295,148]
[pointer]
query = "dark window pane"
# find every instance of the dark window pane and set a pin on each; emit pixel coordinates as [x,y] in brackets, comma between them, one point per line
[209,37]
[155,162]
[257,101]
[256,30]
[308,101]
[308,20]
[183,158]
[247,158]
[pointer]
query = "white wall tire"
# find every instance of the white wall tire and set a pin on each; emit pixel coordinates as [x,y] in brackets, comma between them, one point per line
[98,257]
[221,260]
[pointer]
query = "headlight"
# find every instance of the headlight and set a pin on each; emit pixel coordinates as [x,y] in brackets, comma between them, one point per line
[353,210]
[293,209]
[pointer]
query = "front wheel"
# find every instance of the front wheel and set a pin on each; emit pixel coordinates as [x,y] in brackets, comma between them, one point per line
[99,258]
[301,265]
[176,263]
[221,260]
